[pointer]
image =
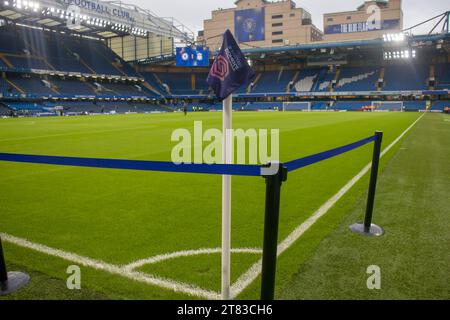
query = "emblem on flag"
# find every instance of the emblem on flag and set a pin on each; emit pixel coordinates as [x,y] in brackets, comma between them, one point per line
[230,70]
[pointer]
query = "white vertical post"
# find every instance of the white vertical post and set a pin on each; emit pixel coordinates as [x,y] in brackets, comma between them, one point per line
[226,197]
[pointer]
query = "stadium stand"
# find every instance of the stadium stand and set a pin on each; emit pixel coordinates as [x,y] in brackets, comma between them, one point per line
[324,80]
[439,105]
[27,48]
[350,105]
[414,105]
[25,106]
[72,87]
[4,110]
[123,89]
[357,79]
[31,85]
[39,65]
[273,81]
[442,76]
[307,80]
[177,83]
[408,76]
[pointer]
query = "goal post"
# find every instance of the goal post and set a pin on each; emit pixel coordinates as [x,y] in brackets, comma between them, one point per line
[297,106]
[388,105]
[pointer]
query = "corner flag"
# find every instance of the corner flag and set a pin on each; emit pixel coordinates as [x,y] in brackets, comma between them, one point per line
[230,69]
[228,73]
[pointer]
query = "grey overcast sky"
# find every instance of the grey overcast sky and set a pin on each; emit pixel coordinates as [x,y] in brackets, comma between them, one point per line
[192,13]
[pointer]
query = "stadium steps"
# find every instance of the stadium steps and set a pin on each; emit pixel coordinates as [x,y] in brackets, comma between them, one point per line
[432,74]
[79,59]
[107,90]
[6,61]
[337,76]
[255,83]
[294,80]
[5,110]
[110,62]
[151,88]
[165,87]
[382,71]
[33,49]
[22,56]
[50,85]
[94,88]
[19,89]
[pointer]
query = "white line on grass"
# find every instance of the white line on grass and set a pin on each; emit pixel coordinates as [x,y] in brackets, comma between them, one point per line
[253,272]
[113,269]
[243,282]
[187,253]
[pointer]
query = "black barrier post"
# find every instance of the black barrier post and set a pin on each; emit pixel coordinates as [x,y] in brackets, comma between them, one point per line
[3,272]
[368,228]
[272,213]
[10,281]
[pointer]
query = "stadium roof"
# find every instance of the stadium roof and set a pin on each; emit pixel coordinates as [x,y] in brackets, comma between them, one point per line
[342,44]
[104,19]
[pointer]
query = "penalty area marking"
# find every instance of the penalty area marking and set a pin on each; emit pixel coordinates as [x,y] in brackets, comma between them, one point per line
[128,271]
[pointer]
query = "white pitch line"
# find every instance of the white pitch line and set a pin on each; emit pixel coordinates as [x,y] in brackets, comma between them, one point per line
[167,256]
[113,269]
[253,272]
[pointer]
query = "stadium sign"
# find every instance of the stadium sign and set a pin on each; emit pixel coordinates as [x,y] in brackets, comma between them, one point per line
[103,18]
[361,27]
[101,8]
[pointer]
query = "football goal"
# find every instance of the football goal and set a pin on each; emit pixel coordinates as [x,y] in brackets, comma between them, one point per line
[296,106]
[388,105]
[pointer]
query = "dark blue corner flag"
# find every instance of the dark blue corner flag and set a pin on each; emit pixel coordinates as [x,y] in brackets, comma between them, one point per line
[230,70]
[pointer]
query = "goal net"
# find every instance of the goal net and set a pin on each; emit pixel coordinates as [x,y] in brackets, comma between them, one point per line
[296,106]
[388,105]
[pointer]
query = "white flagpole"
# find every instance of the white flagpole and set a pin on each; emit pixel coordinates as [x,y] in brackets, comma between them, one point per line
[226,197]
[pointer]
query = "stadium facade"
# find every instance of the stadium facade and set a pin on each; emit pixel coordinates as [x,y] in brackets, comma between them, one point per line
[77,57]
[370,20]
[260,23]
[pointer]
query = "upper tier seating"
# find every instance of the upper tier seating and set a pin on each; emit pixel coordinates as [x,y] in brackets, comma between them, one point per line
[307,79]
[27,48]
[178,83]
[442,75]
[6,88]
[405,77]
[357,79]
[273,81]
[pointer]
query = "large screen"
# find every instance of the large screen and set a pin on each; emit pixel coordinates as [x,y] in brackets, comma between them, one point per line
[249,25]
[193,57]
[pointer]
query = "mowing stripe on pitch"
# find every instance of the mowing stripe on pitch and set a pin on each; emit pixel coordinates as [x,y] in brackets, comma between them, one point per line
[254,271]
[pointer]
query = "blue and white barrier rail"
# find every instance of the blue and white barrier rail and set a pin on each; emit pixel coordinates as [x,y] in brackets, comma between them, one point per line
[161,166]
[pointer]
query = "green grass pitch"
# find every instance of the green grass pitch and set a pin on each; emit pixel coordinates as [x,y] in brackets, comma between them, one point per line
[118,217]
